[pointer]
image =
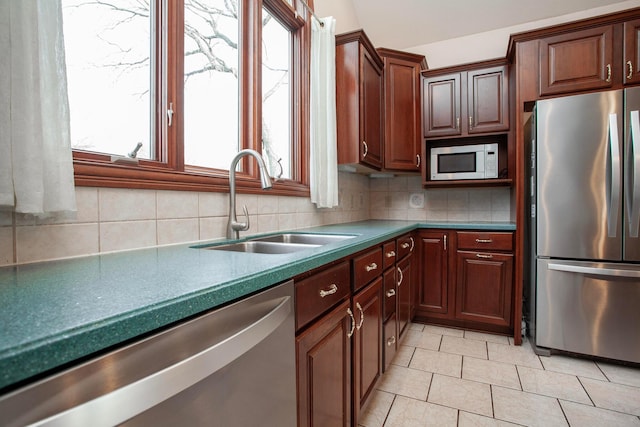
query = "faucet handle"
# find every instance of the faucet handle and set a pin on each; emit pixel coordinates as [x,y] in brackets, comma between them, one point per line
[242,226]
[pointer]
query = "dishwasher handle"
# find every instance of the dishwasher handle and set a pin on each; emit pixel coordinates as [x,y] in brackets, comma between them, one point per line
[128,401]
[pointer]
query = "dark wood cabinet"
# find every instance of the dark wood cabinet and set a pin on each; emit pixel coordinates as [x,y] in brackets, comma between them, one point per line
[484,285]
[402,112]
[466,102]
[367,342]
[487,100]
[405,273]
[433,298]
[441,107]
[577,61]
[324,370]
[467,279]
[359,101]
[631,52]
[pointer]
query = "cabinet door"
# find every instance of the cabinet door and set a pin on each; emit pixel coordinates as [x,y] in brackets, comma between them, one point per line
[402,115]
[371,108]
[580,60]
[484,287]
[367,349]
[487,100]
[441,105]
[632,51]
[434,292]
[404,275]
[324,370]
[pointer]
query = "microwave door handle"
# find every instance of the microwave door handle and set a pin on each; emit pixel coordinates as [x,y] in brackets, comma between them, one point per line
[613,178]
[633,199]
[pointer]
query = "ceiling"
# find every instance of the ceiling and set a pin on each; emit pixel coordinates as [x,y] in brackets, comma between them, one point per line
[401,24]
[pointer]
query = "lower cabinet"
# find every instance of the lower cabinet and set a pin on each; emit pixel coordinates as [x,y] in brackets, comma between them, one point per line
[324,370]
[467,279]
[367,343]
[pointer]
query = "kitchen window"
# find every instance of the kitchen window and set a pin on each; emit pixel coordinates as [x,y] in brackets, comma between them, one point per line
[186,84]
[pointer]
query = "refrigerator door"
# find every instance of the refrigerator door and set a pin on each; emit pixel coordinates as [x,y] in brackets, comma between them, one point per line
[632,176]
[589,308]
[579,176]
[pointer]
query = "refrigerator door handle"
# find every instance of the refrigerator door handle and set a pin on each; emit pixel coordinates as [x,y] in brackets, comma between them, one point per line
[614,185]
[633,188]
[598,271]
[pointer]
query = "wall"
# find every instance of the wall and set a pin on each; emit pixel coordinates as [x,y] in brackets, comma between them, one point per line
[390,200]
[111,219]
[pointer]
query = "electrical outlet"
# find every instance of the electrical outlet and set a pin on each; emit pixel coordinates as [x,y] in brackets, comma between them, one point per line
[416,200]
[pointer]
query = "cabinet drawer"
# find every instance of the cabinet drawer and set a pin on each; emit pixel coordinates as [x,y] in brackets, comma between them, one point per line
[389,255]
[318,293]
[405,245]
[389,297]
[366,267]
[484,241]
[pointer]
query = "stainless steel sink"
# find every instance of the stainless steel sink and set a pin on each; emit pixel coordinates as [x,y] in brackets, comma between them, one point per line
[261,247]
[304,238]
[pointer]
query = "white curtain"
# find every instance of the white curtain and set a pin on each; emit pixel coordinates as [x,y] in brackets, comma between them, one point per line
[36,166]
[324,152]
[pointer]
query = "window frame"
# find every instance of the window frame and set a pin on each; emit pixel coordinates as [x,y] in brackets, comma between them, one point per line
[169,172]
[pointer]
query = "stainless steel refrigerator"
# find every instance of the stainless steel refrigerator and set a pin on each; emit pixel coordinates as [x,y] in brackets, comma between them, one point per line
[585,220]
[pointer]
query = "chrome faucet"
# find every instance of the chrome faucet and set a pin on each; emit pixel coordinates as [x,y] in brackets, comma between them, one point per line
[233,226]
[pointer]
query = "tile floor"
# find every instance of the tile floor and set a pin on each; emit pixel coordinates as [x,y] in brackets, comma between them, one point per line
[450,377]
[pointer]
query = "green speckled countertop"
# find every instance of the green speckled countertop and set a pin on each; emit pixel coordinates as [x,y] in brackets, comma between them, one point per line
[53,313]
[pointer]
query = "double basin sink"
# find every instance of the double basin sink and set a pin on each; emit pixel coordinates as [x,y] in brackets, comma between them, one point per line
[283,243]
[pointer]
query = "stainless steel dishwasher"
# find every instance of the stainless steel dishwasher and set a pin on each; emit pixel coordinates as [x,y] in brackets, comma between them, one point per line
[234,366]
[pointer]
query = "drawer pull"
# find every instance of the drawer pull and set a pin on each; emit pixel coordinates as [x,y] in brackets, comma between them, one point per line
[391,292]
[332,290]
[401,276]
[484,256]
[353,323]
[608,73]
[413,244]
[372,266]
[391,341]
[405,245]
[630,65]
[390,254]
[484,241]
[361,316]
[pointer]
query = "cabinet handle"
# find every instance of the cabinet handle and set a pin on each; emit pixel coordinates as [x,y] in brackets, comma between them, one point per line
[630,65]
[470,122]
[608,73]
[405,245]
[445,242]
[484,256]
[366,149]
[413,244]
[353,323]
[390,254]
[390,293]
[418,157]
[332,290]
[359,307]
[371,266]
[458,123]
[484,241]
[391,341]
[401,276]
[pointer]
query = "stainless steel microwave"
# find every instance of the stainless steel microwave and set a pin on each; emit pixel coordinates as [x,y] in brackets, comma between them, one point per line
[478,161]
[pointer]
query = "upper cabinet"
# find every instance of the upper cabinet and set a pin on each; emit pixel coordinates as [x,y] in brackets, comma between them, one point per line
[632,51]
[576,61]
[359,101]
[472,100]
[594,58]
[402,116]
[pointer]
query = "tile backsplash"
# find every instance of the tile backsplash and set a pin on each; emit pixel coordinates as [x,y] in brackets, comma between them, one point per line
[120,219]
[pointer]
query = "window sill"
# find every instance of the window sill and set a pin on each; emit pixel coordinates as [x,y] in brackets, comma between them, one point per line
[92,174]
